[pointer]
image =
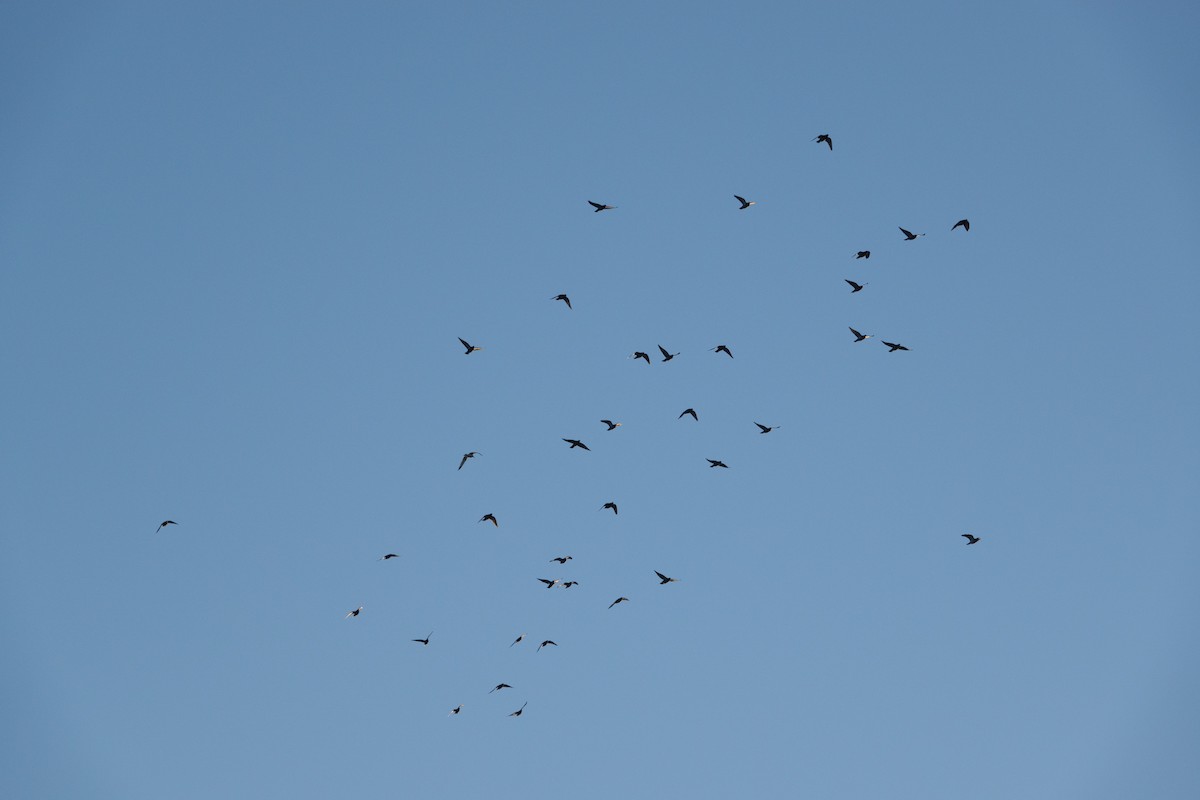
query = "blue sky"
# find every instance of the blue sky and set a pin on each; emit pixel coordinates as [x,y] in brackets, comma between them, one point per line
[238,248]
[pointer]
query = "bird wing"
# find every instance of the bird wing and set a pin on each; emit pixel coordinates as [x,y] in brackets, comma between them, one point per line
[661,576]
[856,333]
[906,233]
[764,427]
[597,206]
[662,350]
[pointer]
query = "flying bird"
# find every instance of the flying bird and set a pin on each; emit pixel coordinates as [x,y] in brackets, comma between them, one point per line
[712,463]
[472,454]
[518,640]
[490,518]
[519,711]
[389,555]
[569,584]
[639,354]
[424,641]
[470,347]
[854,287]
[863,254]
[547,642]
[550,584]
[600,206]
[164,524]
[745,203]
[354,613]
[691,411]
[909,235]
[970,539]
[861,337]
[619,600]
[666,356]
[765,429]
[663,580]
[824,137]
[611,505]
[564,298]
[576,443]
[965,224]
[456,709]
[612,426]
[723,349]
[500,686]
[894,347]
[562,559]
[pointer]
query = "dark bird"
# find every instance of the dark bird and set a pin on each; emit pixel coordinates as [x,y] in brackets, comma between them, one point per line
[894,347]
[663,580]
[600,206]
[569,584]
[470,347]
[164,524]
[424,641]
[520,710]
[354,613]
[612,426]
[472,454]
[854,287]
[611,505]
[518,640]
[691,411]
[564,298]
[745,203]
[639,354]
[765,429]
[722,349]
[863,254]
[824,137]
[562,559]
[712,463]
[970,539]
[965,224]
[860,337]
[490,518]
[389,555]
[500,686]
[550,584]
[666,356]
[456,709]
[545,643]
[909,235]
[576,443]
[618,600]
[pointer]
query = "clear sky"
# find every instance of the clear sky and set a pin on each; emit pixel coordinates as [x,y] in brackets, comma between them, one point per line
[239,242]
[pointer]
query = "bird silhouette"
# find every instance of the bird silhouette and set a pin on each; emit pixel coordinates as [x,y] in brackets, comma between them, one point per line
[564,298]
[164,524]
[424,641]
[546,643]
[639,354]
[354,613]
[965,224]
[714,463]
[860,337]
[611,505]
[550,584]
[970,539]
[863,254]
[765,429]
[894,347]
[490,518]
[600,206]
[745,203]
[576,443]
[854,287]
[824,137]
[456,709]
[663,580]
[389,555]
[562,559]
[500,686]
[518,640]
[666,356]
[909,235]
[472,454]
[723,349]
[520,710]
[618,600]
[470,347]
[691,411]
[612,426]
[569,584]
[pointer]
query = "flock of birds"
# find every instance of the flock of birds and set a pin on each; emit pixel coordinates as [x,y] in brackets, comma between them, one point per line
[667,356]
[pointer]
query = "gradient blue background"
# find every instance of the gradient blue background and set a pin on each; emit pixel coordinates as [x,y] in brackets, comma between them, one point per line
[237,245]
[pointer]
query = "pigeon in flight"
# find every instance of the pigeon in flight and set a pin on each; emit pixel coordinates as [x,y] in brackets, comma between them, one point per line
[666,356]
[765,429]
[518,640]
[564,298]
[824,137]
[550,584]
[354,613]
[490,518]
[611,505]
[722,349]
[472,454]
[745,203]
[612,426]
[691,411]
[164,524]
[663,580]
[600,206]
[576,443]
[861,337]
[470,347]
[713,463]
[500,686]
[619,600]
[863,254]
[562,559]
[970,539]
[909,235]
[389,555]
[854,287]
[965,224]
[639,354]
[424,641]
[547,642]
[520,710]
[894,347]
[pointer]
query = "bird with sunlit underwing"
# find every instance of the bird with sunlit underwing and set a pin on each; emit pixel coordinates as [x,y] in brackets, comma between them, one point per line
[354,613]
